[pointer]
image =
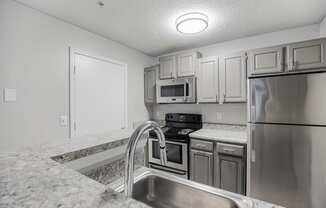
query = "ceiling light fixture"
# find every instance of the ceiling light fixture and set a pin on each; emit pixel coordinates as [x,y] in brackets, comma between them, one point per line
[192,23]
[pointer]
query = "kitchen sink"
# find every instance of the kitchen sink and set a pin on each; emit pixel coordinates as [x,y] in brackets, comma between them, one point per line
[162,190]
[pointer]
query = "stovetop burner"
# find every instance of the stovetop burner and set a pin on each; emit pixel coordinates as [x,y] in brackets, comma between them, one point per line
[179,126]
[185,131]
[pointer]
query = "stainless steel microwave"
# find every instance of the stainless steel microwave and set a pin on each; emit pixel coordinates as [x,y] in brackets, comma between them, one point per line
[181,90]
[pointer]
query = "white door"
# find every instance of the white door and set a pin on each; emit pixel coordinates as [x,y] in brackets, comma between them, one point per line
[233,78]
[98,94]
[167,67]
[207,80]
[186,64]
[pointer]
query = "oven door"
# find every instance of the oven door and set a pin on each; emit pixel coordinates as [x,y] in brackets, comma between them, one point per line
[176,90]
[177,154]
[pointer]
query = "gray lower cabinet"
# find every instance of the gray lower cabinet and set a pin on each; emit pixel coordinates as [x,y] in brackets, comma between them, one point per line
[229,174]
[219,164]
[230,167]
[201,167]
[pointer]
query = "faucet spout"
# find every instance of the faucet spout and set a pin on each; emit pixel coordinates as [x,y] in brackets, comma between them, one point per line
[131,148]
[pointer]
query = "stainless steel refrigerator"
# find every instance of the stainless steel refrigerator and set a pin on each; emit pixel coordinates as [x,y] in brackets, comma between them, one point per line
[287,153]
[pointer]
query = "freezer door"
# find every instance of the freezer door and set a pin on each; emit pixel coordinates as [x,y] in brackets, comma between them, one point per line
[295,99]
[288,165]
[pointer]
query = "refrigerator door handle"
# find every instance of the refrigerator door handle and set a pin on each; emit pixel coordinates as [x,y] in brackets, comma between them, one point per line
[253,152]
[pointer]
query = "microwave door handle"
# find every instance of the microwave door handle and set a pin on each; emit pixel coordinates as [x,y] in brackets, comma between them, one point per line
[185,90]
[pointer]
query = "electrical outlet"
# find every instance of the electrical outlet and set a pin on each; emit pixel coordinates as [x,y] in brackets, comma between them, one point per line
[219,116]
[63,120]
[158,114]
[9,95]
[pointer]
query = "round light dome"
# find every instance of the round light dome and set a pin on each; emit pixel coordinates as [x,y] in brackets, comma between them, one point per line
[191,23]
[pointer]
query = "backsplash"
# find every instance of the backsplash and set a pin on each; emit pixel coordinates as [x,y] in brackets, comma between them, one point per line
[235,113]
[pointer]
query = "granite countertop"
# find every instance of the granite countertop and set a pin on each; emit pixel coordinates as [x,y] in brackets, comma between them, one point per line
[30,178]
[222,133]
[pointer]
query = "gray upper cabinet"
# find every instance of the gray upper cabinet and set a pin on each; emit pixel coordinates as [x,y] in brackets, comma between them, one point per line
[201,167]
[150,74]
[207,80]
[187,64]
[266,60]
[233,78]
[307,55]
[168,66]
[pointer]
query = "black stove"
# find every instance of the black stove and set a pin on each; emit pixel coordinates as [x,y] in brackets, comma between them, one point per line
[178,126]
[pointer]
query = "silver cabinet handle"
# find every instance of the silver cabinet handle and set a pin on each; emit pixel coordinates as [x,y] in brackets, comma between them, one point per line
[200,145]
[292,64]
[228,150]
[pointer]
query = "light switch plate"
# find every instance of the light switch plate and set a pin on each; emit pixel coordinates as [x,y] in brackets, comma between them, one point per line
[219,116]
[9,95]
[63,120]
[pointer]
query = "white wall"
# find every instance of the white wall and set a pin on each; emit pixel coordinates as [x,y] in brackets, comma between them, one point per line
[323,27]
[236,113]
[35,61]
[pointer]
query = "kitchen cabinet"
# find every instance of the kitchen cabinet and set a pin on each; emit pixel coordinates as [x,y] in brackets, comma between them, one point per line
[266,60]
[307,55]
[229,171]
[168,65]
[179,65]
[233,78]
[207,80]
[222,79]
[201,165]
[150,76]
[187,64]
[201,168]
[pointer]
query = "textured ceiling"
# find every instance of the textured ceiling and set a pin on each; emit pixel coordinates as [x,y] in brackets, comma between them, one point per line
[148,25]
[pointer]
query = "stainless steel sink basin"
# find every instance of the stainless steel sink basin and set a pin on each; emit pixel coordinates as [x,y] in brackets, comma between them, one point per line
[162,190]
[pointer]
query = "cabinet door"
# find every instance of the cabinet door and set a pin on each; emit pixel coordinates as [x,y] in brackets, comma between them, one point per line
[186,64]
[150,84]
[207,80]
[230,175]
[167,67]
[266,60]
[307,55]
[233,78]
[201,168]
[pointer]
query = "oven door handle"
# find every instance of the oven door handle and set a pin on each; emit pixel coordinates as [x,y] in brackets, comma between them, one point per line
[168,169]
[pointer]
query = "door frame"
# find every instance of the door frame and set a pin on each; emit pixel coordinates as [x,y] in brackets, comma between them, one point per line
[72,82]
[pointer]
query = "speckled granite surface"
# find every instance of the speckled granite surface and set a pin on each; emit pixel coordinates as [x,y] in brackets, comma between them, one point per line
[108,173]
[30,179]
[222,133]
[89,151]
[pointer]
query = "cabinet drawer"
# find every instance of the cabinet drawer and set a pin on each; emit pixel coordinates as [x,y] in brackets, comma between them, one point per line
[201,145]
[230,149]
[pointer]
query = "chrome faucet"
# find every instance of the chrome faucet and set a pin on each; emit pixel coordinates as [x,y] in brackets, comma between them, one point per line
[131,148]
